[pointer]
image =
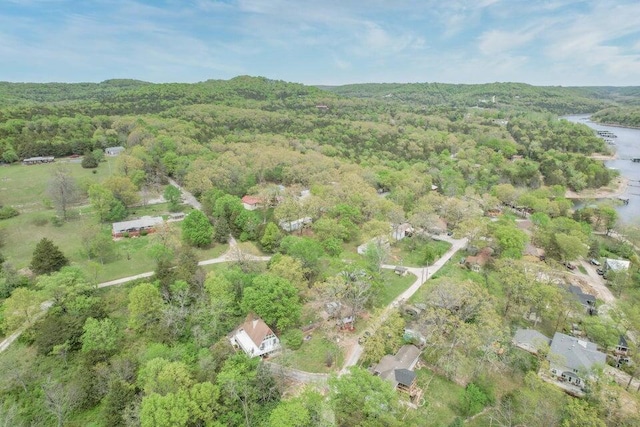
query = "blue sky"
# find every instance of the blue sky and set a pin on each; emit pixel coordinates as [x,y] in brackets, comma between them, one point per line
[542,42]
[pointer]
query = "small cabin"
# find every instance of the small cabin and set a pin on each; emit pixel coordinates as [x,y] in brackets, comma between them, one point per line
[113,151]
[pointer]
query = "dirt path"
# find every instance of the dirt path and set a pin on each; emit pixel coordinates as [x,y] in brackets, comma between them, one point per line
[594,281]
[186,196]
[422,275]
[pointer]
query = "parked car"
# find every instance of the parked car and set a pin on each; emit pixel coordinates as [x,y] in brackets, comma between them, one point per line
[594,261]
[570,266]
[600,271]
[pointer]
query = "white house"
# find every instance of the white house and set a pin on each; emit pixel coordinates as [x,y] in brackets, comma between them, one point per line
[255,337]
[296,224]
[113,151]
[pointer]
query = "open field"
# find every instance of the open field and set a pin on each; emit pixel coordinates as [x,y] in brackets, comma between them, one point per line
[312,355]
[24,187]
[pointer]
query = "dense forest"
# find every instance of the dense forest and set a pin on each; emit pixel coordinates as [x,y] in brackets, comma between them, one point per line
[517,96]
[349,187]
[621,116]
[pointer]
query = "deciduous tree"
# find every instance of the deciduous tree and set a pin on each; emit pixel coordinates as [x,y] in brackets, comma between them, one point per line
[63,190]
[260,297]
[197,230]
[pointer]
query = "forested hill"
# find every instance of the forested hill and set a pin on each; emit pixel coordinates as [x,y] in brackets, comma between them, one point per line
[622,116]
[519,96]
[133,96]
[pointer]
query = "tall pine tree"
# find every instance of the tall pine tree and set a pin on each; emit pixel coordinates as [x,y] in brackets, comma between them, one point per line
[47,258]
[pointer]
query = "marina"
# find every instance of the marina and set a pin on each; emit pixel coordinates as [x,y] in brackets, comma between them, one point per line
[627,157]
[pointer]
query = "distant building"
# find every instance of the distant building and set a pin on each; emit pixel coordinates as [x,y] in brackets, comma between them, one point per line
[113,151]
[296,224]
[136,226]
[38,160]
[477,262]
[616,265]
[251,203]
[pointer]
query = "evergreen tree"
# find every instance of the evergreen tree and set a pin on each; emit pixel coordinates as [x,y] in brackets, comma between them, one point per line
[47,258]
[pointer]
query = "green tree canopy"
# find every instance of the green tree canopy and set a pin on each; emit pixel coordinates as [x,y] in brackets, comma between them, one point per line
[360,399]
[264,291]
[197,230]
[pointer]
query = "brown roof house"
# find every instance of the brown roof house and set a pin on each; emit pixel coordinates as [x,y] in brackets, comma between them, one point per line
[398,369]
[477,262]
[255,337]
[251,203]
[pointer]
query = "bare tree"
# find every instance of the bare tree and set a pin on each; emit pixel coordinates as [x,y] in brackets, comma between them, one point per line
[63,190]
[60,399]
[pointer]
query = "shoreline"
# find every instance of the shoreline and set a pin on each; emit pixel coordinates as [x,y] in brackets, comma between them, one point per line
[616,189]
[615,125]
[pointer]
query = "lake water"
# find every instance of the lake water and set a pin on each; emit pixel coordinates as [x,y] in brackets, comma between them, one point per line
[627,146]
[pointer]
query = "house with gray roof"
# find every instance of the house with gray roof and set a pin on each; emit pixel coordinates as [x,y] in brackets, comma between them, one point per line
[136,226]
[588,301]
[113,151]
[530,340]
[572,360]
[398,369]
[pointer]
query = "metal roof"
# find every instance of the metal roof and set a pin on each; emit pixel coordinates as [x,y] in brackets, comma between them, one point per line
[617,264]
[136,224]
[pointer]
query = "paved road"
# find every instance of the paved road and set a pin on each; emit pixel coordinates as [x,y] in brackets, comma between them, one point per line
[422,275]
[186,196]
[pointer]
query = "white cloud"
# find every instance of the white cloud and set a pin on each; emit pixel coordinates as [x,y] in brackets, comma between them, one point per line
[497,41]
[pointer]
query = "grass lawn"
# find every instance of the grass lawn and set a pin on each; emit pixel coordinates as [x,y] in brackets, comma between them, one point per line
[22,233]
[393,285]
[410,250]
[453,271]
[24,187]
[441,398]
[312,355]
